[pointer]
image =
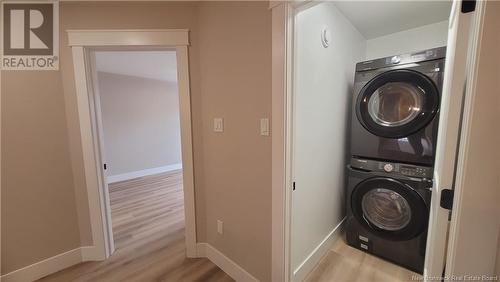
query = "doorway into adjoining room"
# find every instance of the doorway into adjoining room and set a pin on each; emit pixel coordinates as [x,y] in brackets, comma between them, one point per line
[140,125]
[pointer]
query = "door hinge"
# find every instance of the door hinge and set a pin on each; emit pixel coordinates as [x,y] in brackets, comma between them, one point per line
[468,6]
[105,166]
[293,186]
[446,201]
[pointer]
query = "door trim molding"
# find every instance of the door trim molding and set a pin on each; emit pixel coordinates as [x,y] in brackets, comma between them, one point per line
[282,31]
[128,37]
[82,42]
[283,17]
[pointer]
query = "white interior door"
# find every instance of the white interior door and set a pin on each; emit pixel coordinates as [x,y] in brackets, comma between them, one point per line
[474,226]
[96,111]
[448,135]
[461,247]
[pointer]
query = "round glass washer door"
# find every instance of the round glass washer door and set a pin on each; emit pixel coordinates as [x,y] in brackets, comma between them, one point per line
[386,209]
[389,208]
[397,103]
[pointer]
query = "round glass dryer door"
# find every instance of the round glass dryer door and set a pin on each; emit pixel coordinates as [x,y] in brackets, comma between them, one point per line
[397,103]
[389,208]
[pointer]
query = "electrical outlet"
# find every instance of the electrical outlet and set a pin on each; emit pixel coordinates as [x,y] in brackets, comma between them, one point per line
[264,127]
[220,227]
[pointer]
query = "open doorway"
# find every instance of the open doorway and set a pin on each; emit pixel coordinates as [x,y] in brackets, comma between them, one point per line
[137,112]
[84,45]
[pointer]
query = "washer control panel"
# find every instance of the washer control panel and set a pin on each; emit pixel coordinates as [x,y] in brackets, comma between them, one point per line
[414,171]
[390,167]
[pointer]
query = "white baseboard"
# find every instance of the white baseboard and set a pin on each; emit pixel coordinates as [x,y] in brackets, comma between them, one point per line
[92,253]
[226,264]
[59,262]
[44,267]
[300,273]
[141,173]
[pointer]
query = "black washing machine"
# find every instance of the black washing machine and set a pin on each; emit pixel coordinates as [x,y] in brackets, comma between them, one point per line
[388,210]
[395,107]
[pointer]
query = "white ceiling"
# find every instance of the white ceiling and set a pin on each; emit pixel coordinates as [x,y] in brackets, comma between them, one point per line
[161,65]
[378,18]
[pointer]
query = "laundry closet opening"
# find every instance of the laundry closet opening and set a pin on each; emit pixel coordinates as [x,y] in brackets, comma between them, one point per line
[138,121]
[366,85]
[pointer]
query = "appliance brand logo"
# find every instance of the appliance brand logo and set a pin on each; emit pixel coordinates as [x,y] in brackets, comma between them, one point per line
[30,35]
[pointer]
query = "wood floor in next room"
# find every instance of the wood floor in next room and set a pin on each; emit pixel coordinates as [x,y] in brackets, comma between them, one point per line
[343,263]
[148,226]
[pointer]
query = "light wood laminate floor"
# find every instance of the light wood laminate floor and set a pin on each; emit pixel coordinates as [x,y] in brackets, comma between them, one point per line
[343,263]
[148,226]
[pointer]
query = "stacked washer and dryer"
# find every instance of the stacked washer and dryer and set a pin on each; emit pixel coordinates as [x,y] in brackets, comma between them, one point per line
[393,141]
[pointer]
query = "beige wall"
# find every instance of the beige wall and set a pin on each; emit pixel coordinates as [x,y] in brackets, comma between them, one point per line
[141,123]
[235,67]
[230,61]
[38,205]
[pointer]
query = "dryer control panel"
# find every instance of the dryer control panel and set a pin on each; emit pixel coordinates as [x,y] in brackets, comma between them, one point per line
[390,167]
[416,57]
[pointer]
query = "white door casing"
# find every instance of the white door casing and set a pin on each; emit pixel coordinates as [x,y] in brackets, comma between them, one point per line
[282,26]
[96,114]
[82,43]
[449,130]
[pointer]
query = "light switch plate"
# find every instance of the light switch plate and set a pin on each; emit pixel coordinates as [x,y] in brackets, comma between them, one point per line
[264,127]
[218,125]
[220,227]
